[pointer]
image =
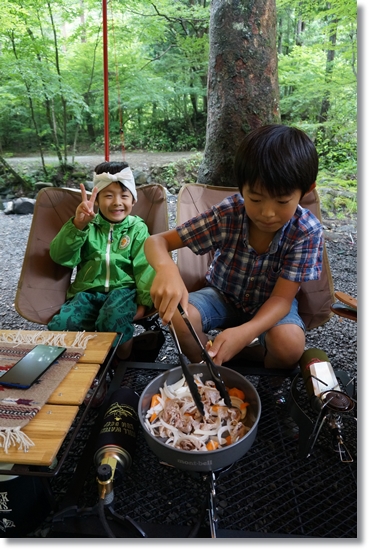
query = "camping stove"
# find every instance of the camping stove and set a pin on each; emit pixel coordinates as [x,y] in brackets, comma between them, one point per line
[330,395]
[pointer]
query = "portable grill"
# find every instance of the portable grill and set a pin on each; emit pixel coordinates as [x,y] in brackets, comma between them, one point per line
[272,491]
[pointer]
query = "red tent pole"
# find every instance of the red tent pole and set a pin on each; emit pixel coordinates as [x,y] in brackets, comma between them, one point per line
[106,87]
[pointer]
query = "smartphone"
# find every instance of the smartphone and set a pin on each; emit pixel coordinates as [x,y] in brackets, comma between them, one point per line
[28,369]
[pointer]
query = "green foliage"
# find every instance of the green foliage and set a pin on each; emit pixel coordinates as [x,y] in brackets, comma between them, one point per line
[59,175]
[338,195]
[52,93]
[170,135]
[338,155]
[157,70]
[318,77]
[178,173]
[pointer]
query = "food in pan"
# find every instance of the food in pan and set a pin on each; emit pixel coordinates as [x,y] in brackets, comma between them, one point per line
[174,417]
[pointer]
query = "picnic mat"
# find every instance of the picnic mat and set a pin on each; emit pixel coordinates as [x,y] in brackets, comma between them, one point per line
[19,406]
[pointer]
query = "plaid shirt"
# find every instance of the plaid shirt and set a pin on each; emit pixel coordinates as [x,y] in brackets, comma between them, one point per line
[246,278]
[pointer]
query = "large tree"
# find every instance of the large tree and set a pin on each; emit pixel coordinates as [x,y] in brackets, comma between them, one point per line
[242,81]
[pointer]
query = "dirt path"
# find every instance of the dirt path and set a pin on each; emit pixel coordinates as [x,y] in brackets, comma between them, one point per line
[138,160]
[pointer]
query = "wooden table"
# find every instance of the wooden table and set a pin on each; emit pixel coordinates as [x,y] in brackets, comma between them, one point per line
[50,426]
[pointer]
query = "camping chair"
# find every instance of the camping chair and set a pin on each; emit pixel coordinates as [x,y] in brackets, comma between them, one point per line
[346,307]
[314,297]
[43,284]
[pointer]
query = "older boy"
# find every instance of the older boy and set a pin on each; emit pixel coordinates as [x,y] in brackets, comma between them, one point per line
[265,246]
[112,285]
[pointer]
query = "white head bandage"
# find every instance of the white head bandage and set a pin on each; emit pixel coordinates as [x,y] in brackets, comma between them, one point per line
[125,176]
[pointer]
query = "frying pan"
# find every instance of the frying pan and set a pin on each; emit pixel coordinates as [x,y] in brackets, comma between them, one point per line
[201,461]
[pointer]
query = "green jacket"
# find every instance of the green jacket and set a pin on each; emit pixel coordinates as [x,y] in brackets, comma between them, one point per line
[107,256]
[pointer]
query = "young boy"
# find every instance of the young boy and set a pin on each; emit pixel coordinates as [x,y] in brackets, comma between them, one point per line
[112,285]
[265,246]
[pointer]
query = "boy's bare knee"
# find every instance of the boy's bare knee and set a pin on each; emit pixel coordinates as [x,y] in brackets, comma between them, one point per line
[285,344]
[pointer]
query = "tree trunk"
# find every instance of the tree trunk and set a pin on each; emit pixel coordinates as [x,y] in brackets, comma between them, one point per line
[242,82]
[62,160]
[326,102]
[30,102]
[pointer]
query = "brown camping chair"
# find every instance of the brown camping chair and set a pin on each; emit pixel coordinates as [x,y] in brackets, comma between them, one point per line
[315,297]
[43,284]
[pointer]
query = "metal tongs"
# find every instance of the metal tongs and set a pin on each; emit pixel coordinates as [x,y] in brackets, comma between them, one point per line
[212,367]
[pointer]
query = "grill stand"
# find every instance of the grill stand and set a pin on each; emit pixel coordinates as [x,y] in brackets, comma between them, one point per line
[309,431]
[213,515]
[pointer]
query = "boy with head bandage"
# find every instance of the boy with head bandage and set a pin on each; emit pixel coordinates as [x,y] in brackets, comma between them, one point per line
[111,288]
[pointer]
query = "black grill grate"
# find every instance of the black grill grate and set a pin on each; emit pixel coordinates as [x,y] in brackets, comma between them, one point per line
[271,491]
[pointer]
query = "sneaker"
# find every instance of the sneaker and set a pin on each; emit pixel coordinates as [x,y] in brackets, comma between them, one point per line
[147,345]
[145,348]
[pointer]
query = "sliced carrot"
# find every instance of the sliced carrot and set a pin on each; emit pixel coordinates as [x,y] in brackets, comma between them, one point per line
[212,445]
[228,440]
[244,405]
[237,393]
[155,400]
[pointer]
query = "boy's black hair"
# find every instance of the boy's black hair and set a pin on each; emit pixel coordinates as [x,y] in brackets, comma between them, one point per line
[280,158]
[111,167]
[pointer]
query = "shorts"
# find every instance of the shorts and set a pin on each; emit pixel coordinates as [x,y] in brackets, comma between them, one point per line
[217,313]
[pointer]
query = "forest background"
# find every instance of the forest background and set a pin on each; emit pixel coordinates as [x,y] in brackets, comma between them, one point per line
[52,92]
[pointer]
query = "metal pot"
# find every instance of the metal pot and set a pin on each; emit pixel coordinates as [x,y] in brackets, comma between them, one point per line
[201,461]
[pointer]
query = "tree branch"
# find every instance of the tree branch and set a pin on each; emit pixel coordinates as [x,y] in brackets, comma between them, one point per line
[15,174]
[156,58]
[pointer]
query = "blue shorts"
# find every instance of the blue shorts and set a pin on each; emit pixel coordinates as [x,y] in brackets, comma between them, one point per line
[217,313]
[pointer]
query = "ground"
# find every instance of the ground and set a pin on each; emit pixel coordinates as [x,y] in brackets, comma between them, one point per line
[138,160]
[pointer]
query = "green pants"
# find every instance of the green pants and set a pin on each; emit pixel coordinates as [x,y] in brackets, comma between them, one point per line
[96,311]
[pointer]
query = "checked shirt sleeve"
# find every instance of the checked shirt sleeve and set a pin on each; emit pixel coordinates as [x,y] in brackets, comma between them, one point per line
[303,261]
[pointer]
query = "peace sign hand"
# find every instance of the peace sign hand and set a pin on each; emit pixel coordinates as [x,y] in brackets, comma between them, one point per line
[85,210]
